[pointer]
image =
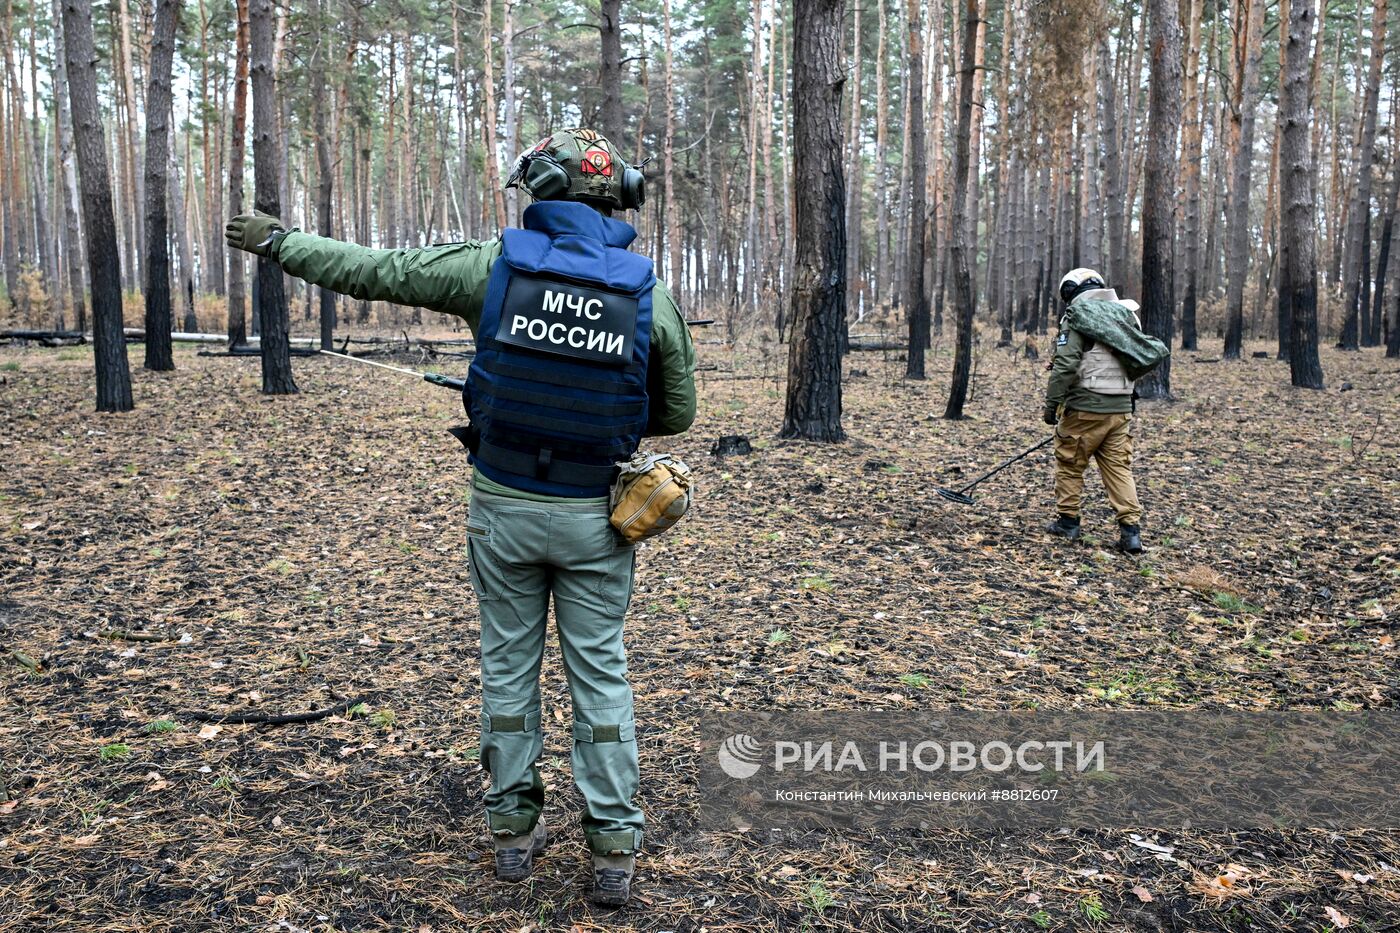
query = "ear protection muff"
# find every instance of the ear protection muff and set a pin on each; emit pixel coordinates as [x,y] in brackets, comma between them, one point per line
[634,188]
[544,178]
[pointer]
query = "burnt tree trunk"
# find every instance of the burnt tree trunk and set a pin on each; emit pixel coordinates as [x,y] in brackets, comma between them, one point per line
[813,409]
[104,268]
[1297,229]
[1159,188]
[158,315]
[964,300]
[267,158]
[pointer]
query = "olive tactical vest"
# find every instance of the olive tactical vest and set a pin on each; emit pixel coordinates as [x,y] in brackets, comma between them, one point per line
[557,388]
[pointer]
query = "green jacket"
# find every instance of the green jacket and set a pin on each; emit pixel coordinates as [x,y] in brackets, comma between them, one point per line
[1064,386]
[452,279]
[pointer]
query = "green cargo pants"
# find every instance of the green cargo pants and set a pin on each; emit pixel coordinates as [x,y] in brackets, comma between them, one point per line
[521,552]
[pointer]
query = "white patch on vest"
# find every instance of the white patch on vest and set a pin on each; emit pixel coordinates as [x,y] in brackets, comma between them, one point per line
[1063,339]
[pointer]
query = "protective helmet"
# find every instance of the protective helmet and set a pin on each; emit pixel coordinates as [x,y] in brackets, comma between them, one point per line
[579,165]
[1079,280]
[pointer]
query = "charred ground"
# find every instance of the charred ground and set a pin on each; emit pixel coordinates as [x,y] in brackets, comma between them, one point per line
[294,552]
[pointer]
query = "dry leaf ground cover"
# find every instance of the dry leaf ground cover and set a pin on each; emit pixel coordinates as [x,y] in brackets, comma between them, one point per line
[291,554]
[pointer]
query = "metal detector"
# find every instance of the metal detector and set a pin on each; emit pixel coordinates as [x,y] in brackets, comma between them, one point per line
[961,496]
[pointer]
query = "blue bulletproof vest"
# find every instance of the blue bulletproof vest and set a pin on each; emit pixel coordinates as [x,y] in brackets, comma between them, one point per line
[557,389]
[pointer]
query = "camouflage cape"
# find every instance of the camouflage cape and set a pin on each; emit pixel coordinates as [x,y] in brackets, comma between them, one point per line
[1113,325]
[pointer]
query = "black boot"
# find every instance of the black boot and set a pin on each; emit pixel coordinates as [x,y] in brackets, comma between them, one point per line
[1130,539]
[1066,526]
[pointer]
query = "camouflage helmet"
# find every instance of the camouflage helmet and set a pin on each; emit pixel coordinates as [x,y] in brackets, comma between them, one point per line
[578,165]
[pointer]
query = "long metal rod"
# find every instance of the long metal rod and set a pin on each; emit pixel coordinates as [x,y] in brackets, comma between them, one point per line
[1021,456]
[356,359]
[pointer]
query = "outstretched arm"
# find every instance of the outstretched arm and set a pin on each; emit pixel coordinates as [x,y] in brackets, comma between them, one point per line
[449,278]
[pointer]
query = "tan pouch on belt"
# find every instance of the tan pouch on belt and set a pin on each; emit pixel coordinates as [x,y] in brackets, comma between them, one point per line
[652,492]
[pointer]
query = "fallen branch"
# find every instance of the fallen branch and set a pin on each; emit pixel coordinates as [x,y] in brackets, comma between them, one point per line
[268,719]
[117,634]
[47,338]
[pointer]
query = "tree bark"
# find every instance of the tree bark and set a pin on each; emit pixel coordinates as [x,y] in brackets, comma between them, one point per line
[104,268]
[915,295]
[1249,20]
[879,288]
[157,184]
[813,407]
[964,299]
[1357,270]
[1297,230]
[668,204]
[137,182]
[610,59]
[73,240]
[267,159]
[1159,187]
[325,170]
[1191,176]
[237,294]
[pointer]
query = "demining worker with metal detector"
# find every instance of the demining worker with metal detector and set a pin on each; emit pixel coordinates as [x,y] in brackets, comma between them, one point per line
[1100,354]
[580,352]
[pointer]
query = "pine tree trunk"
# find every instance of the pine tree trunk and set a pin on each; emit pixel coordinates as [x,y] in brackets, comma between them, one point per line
[73,240]
[964,301]
[512,138]
[104,269]
[1298,228]
[915,295]
[879,288]
[1191,176]
[1249,25]
[157,184]
[674,229]
[1356,274]
[1159,187]
[185,248]
[47,257]
[325,169]
[856,170]
[1111,162]
[136,200]
[237,294]
[267,159]
[610,72]
[813,407]
[488,118]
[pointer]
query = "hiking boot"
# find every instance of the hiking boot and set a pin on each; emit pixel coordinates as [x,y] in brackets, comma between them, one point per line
[612,878]
[515,855]
[1130,539]
[1066,526]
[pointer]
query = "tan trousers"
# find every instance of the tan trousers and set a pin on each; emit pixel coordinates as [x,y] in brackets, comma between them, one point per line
[1108,439]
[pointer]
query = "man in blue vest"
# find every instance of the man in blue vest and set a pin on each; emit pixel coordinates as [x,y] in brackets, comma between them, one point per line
[580,353]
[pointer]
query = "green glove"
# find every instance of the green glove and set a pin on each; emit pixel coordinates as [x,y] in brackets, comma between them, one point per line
[255,233]
[1051,416]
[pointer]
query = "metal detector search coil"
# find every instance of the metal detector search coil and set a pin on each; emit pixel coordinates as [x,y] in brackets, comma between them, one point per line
[961,496]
